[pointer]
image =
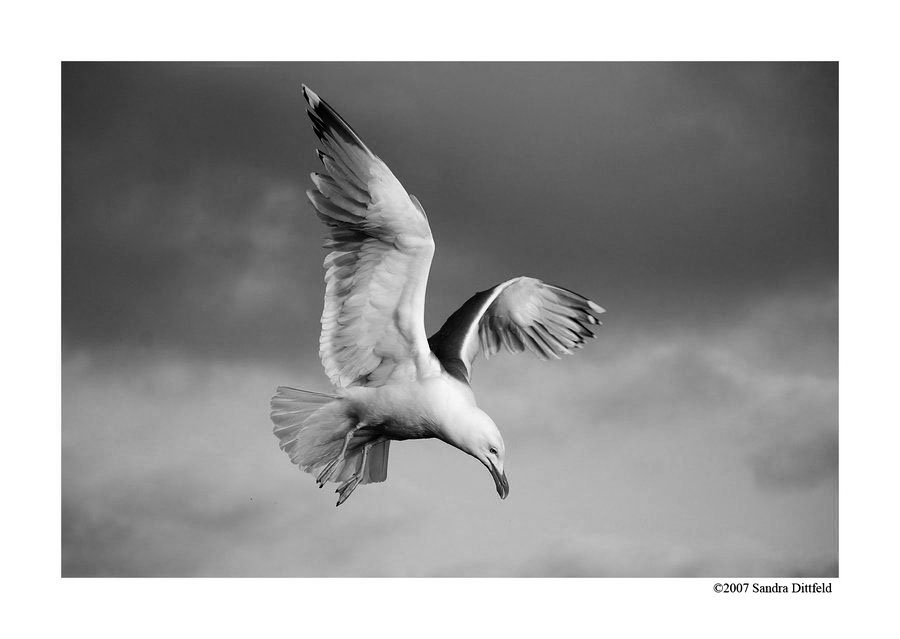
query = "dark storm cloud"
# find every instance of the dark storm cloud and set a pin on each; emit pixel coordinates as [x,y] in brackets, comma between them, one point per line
[670,192]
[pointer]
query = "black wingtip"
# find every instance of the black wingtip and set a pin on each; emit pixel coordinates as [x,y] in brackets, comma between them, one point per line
[310,96]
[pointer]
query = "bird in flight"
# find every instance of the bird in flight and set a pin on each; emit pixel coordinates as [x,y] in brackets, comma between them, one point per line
[392,381]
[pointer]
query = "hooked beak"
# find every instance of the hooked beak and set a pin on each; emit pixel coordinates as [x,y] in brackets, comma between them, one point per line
[500,480]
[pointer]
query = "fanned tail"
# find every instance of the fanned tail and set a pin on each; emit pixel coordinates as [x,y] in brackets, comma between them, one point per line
[308,425]
[312,428]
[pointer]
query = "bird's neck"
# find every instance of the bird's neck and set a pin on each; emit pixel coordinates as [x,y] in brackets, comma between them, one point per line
[449,409]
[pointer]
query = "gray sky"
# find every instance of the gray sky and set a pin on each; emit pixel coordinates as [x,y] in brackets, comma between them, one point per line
[696,202]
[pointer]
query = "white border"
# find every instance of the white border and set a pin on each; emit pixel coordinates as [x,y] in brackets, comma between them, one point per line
[39,602]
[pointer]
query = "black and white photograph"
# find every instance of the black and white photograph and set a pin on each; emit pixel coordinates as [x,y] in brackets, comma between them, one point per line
[450,319]
[404,320]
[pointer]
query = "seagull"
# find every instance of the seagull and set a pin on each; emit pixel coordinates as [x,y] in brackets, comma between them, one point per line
[392,382]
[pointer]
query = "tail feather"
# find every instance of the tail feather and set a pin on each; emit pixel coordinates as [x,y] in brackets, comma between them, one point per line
[311,428]
[295,412]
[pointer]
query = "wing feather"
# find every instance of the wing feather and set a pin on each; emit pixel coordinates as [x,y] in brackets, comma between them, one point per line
[377,268]
[521,314]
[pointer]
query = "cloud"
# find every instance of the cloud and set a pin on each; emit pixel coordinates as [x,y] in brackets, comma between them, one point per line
[697,203]
[641,557]
[798,463]
[644,454]
[674,192]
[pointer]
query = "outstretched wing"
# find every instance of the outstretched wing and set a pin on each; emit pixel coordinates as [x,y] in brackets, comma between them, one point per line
[381,249]
[521,314]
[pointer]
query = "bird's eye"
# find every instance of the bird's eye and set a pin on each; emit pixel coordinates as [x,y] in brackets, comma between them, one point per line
[493,451]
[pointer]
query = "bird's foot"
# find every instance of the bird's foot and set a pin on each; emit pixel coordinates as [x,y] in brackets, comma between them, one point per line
[350,485]
[346,488]
[328,471]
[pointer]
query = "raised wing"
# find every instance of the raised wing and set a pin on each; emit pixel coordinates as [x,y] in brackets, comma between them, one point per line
[521,314]
[381,249]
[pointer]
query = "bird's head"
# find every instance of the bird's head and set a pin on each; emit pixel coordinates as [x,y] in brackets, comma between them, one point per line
[476,434]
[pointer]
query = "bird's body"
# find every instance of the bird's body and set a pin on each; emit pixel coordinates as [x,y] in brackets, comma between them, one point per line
[416,409]
[392,382]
